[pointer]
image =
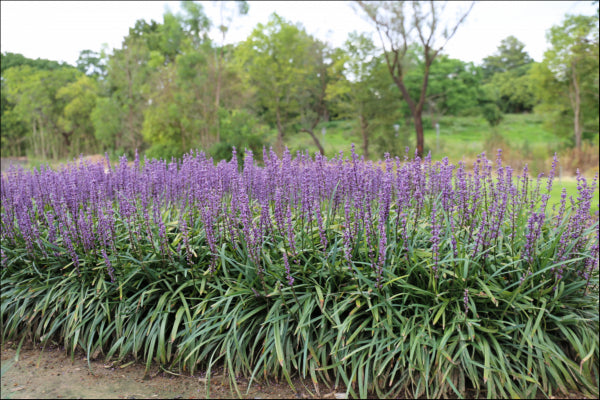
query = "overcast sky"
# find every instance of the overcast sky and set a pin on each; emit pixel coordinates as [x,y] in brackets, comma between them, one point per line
[59,30]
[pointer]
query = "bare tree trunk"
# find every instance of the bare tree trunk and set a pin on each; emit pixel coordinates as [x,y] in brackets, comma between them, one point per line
[418,118]
[392,25]
[35,142]
[576,102]
[42,137]
[364,126]
[315,139]
[67,137]
[218,93]
[279,144]
[416,110]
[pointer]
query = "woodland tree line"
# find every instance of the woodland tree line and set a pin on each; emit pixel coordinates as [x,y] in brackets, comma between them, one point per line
[171,88]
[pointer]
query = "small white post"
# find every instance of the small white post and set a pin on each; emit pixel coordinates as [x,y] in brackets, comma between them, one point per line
[560,174]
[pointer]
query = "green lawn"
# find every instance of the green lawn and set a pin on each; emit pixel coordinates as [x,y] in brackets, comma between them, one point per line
[459,136]
[467,136]
[571,185]
[523,138]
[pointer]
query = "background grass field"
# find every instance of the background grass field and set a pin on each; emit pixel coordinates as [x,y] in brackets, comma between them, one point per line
[520,136]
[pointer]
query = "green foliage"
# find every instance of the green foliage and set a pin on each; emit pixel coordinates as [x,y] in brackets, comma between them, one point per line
[80,97]
[506,78]
[194,21]
[365,92]
[500,326]
[169,86]
[106,130]
[241,130]
[34,94]
[510,56]
[14,128]
[127,73]
[492,114]
[28,94]
[91,63]
[513,91]
[285,67]
[165,150]
[454,86]
[566,82]
[10,60]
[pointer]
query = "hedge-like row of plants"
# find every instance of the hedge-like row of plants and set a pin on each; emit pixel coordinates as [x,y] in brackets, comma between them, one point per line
[406,277]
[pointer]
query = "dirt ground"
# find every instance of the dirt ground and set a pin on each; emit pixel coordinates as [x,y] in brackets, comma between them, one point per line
[51,374]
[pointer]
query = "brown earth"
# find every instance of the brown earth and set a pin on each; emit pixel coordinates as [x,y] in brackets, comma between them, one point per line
[51,374]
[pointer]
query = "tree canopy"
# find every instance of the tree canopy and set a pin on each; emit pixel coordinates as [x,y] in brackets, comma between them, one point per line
[169,87]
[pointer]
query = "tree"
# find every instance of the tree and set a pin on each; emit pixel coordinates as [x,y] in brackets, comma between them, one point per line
[570,69]
[513,91]
[284,65]
[226,14]
[80,100]
[195,22]
[184,112]
[506,75]
[16,121]
[365,94]
[311,97]
[162,127]
[398,29]
[13,127]
[510,56]
[195,80]
[107,120]
[91,63]
[492,114]
[9,60]
[128,71]
[34,94]
[453,89]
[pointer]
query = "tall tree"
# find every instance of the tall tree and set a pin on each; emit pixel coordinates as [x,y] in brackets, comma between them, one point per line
[400,24]
[35,96]
[9,60]
[283,64]
[311,99]
[14,129]
[453,88]
[91,63]
[80,100]
[226,14]
[128,71]
[16,121]
[506,76]
[365,94]
[572,61]
[512,90]
[510,56]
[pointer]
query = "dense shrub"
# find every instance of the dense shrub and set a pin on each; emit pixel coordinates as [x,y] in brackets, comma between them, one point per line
[404,277]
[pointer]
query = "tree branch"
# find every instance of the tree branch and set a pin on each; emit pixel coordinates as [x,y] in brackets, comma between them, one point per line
[460,21]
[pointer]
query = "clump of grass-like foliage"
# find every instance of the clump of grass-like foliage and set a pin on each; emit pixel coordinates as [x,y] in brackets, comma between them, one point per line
[404,277]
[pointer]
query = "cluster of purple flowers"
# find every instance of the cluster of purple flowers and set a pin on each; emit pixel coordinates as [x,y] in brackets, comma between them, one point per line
[88,215]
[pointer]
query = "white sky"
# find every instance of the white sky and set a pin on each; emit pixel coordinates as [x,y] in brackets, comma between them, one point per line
[59,30]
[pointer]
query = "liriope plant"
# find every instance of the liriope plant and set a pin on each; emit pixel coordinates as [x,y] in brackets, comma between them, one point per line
[406,277]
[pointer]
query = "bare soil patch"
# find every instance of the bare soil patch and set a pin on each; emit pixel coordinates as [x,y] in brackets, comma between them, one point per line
[51,374]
